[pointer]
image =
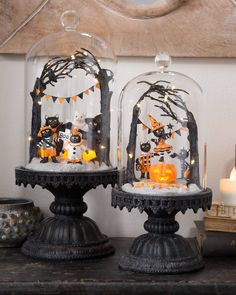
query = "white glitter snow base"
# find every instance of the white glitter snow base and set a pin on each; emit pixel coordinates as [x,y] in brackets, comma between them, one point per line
[65,167]
[192,189]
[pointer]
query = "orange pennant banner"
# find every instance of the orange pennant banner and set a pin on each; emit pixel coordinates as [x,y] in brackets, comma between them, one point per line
[61,99]
[47,97]
[74,98]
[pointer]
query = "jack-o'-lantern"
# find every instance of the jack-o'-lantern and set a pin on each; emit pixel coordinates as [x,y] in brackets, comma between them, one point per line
[163,172]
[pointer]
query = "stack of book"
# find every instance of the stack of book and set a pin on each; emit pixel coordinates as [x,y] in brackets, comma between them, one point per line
[217,232]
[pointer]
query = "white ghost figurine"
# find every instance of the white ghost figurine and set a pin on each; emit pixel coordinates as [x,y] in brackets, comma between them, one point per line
[79,122]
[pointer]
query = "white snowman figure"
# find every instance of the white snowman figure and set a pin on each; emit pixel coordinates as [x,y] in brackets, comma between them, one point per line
[79,122]
[75,147]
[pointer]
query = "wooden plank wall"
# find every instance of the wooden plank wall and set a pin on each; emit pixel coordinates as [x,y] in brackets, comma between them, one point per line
[193,28]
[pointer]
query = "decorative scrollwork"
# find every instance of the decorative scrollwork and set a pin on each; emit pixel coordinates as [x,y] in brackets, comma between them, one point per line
[171,204]
[55,180]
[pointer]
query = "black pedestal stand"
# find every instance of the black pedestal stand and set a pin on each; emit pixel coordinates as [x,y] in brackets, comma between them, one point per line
[68,234]
[161,250]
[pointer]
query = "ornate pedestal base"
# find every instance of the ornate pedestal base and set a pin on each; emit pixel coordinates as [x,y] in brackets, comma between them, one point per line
[161,250]
[69,234]
[63,238]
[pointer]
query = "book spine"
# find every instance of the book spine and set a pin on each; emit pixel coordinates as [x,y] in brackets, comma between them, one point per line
[220,210]
[220,224]
[215,246]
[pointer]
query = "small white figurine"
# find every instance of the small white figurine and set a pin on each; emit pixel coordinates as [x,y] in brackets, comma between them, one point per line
[75,147]
[79,122]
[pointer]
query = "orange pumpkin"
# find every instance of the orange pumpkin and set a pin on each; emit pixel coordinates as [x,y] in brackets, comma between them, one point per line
[163,172]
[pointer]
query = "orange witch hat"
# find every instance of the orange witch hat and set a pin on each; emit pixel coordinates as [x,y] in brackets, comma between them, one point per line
[43,129]
[155,124]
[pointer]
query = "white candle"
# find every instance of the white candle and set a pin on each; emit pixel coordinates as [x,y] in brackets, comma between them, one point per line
[228,189]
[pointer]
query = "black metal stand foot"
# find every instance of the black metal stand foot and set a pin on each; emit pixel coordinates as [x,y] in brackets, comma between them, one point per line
[158,254]
[161,250]
[68,234]
[66,238]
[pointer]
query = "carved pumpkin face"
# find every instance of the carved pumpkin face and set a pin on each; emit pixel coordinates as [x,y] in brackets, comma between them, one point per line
[163,172]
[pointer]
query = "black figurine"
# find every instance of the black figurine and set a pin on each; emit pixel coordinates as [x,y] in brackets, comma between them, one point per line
[57,127]
[47,144]
[143,162]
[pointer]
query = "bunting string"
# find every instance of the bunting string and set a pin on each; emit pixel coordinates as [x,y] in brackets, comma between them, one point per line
[68,98]
[170,134]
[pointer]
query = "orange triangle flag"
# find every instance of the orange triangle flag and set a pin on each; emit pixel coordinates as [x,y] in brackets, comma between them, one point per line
[61,99]
[37,91]
[97,85]
[47,97]
[172,135]
[74,98]
[86,91]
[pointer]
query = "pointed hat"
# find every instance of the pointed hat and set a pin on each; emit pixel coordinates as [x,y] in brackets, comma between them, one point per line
[155,124]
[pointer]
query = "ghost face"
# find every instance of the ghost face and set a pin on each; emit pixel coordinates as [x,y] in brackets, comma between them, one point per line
[79,117]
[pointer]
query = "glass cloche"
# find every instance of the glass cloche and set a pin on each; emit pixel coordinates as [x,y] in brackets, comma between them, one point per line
[161,149]
[70,101]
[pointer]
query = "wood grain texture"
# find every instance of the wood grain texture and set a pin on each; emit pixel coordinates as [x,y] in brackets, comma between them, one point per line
[197,28]
[142,10]
[26,276]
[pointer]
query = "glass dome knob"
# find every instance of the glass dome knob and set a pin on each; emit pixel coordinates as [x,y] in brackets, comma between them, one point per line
[70,20]
[163,60]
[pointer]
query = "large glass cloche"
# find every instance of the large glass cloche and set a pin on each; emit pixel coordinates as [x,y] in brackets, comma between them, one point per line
[70,101]
[161,148]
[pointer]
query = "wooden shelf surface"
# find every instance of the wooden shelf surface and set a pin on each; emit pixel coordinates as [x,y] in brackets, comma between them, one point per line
[22,275]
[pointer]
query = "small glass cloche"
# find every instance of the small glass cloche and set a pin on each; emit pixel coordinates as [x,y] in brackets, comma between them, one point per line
[70,101]
[161,133]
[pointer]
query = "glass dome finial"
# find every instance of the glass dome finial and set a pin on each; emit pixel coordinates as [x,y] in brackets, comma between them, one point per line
[163,61]
[70,20]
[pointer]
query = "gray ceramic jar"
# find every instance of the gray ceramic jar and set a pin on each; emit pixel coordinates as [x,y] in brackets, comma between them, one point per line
[18,218]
